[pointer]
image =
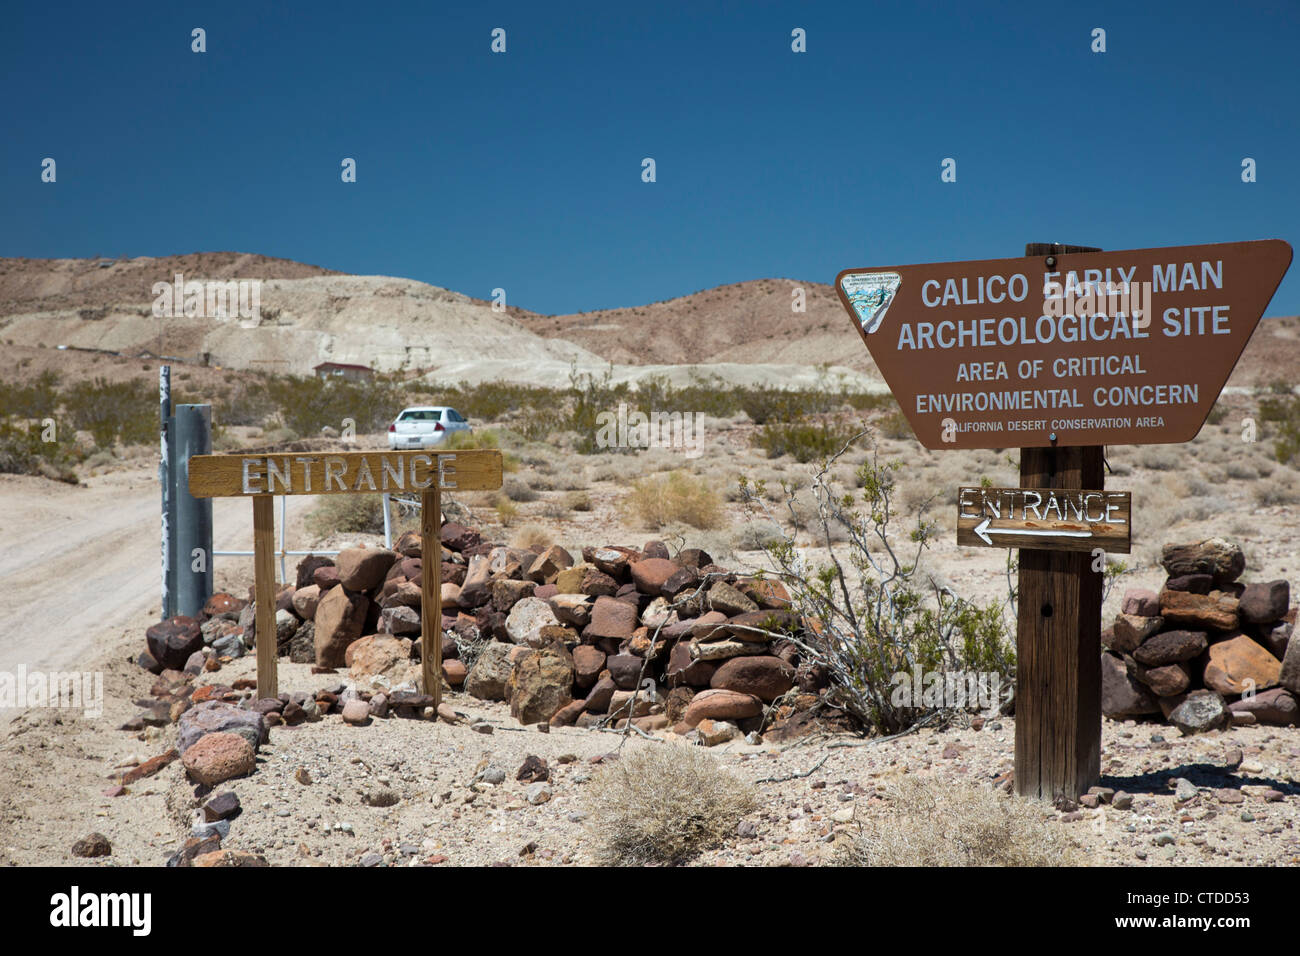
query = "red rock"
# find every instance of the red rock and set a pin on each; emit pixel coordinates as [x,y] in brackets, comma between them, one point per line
[149,767]
[171,642]
[1170,647]
[454,673]
[588,662]
[721,705]
[766,678]
[222,603]
[1264,603]
[1141,602]
[410,545]
[548,564]
[596,583]
[306,600]
[325,577]
[682,669]
[1238,664]
[1214,611]
[1131,630]
[218,757]
[457,537]
[378,654]
[340,616]
[1221,559]
[361,569]
[650,574]
[1276,707]
[611,618]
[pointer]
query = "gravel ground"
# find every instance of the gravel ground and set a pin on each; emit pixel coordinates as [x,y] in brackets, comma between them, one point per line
[57,765]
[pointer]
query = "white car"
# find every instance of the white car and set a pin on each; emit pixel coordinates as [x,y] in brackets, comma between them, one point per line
[423,426]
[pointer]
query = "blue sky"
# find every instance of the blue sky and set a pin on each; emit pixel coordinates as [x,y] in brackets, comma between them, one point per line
[522,170]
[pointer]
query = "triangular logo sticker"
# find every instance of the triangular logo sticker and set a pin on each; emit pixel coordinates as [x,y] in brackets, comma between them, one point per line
[870,294]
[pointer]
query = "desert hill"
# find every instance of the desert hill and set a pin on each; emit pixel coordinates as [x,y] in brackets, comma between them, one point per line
[744,332]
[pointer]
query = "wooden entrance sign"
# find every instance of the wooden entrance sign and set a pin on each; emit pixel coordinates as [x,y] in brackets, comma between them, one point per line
[1063,520]
[1060,353]
[426,473]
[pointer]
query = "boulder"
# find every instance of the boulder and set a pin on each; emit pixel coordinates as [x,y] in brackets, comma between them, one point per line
[1264,603]
[625,670]
[601,693]
[214,716]
[410,545]
[1289,675]
[325,577]
[527,618]
[572,609]
[1215,611]
[1140,602]
[362,569]
[1276,706]
[719,704]
[588,662]
[1122,695]
[487,678]
[305,601]
[507,592]
[724,650]
[548,564]
[218,757]
[611,618]
[684,670]
[1170,647]
[597,583]
[302,647]
[1199,712]
[764,677]
[540,685]
[306,571]
[223,605]
[401,620]
[454,673]
[1132,629]
[1275,636]
[1195,583]
[477,586]
[379,655]
[729,600]
[340,616]
[171,642]
[1221,559]
[1239,664]
[650,574]
[1166,680]
[457,537]
[758,627]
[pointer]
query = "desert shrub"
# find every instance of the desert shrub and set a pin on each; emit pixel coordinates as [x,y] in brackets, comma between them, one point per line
[874,612]
[803,441]
[516,489]
[113,411]
[482,438]
[532,535]
[39,399]
[894,425]
[506,509]
[1279,489]
[346,514]
[664,805]
[22,452]
[578,501]
[1283,414]
[308,404]
[674,497]
[931,824]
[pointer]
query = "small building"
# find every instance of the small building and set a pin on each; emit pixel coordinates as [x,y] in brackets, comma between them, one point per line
[350,373]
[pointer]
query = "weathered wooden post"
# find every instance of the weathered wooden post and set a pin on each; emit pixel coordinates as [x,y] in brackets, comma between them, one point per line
[431,591]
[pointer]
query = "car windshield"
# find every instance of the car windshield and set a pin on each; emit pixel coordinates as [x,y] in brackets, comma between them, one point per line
[421,415]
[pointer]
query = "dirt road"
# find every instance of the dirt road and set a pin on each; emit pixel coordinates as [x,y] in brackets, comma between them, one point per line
[77,563]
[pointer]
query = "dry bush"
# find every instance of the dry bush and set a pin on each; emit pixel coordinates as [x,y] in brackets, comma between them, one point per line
[346,514]
[530,535]
[1282,488]
[933,824]
[516,489]
[506,509]
[578,501]
[664,805]
[1158,458]
[658,500]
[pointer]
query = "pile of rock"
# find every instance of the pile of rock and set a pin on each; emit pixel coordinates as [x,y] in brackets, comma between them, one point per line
[1208,650]
[667,641]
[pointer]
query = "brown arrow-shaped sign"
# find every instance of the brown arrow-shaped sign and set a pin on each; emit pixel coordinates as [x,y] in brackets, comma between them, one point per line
[1091,348]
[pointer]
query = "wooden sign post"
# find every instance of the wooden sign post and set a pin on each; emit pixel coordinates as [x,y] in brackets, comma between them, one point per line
[261,477]
[1060,353]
